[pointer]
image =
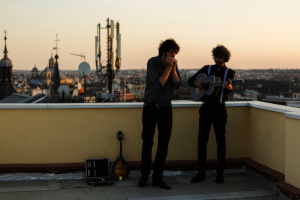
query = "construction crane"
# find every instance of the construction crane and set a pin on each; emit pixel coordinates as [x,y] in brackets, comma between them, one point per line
[81,55]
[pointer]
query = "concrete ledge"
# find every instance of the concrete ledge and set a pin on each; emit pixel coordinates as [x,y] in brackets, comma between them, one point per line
[272,107]
[291,111]
[293,115]
[63,167]
[266,171]
[289,190]
[175,104]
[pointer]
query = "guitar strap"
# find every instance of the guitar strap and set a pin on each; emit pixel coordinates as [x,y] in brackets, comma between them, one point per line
[209,68]
[225,75]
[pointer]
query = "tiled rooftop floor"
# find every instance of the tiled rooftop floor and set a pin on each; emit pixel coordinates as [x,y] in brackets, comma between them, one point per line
[239,184]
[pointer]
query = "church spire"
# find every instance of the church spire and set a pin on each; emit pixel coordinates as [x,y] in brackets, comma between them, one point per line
[56,76]
[56,48]
[7,86]
[5,49]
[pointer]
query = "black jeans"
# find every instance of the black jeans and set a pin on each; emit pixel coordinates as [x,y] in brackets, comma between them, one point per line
[162,117]
[215,114]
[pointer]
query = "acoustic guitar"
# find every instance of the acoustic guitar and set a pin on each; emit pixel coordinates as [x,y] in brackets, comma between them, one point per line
[211,83]
[120,168]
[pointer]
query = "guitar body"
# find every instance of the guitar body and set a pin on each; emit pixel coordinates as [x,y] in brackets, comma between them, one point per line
[120,168]
[211,83]
[202,94]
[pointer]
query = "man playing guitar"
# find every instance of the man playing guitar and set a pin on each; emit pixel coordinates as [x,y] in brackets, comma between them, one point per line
[213,111]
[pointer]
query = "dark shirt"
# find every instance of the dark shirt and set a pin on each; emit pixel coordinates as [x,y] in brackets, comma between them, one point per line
[215,96]
[155,92]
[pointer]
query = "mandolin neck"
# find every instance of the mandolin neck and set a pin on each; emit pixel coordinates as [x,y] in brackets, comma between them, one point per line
[121,150]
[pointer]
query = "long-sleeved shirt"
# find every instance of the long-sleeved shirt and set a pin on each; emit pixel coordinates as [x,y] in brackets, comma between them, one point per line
[215,96]
[155,92]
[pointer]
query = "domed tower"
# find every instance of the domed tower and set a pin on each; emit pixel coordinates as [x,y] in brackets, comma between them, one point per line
[51,62]
[34,72]
[47,76]
[7,86]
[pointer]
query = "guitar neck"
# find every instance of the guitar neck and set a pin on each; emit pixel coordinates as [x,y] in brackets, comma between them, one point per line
[219,84]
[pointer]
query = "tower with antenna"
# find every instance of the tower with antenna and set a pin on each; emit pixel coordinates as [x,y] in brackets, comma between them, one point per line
[6,82]
[113,62]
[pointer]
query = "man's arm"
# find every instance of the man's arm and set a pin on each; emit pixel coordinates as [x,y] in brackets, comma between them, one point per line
[175,76]
[196,83]
[168,68]
[164,77]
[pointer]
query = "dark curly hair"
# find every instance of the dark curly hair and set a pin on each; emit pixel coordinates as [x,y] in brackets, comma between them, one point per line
[221,50]
[166,45]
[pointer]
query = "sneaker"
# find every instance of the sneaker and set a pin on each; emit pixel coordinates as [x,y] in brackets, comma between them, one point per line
[219,179]
[199,177]
[143,181]
[161,184]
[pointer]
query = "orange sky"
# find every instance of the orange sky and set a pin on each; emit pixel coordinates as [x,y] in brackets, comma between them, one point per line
[259,33]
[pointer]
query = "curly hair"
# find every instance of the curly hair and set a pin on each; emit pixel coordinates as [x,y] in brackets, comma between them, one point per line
[221,50]
[166,45]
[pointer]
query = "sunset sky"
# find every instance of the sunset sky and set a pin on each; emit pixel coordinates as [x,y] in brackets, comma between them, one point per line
[260,34]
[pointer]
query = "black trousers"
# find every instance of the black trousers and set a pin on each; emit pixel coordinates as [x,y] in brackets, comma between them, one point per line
[162,117]
[215,114]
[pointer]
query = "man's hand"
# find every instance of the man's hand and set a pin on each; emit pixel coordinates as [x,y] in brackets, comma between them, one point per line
[175,62]
[169,61]
[199,84]
[227,86]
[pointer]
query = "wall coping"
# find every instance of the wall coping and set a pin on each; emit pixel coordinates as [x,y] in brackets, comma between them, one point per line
[290,112]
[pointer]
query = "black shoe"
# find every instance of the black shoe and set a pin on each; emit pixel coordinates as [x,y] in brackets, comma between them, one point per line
[219,179]
[199,177]
[143,181]
[161,184]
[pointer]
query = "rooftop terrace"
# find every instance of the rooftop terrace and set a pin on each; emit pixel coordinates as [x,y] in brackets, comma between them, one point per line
[60,137]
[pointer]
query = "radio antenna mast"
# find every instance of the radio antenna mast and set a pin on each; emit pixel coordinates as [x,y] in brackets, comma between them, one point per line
[113,57]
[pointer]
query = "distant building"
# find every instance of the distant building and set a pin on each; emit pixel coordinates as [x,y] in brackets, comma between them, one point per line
[128,97]
[44,78]
[7,86]
[296,95]
[138,91]
[282,100]
[19,98]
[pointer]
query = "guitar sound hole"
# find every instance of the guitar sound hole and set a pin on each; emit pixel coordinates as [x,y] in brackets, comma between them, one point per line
[206,86]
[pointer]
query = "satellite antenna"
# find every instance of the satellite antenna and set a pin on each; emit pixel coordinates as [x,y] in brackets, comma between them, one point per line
[129,86]
[63,91]
[84,68]
[118,81]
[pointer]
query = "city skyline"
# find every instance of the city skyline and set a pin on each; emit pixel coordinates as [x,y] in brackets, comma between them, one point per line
[259,34]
